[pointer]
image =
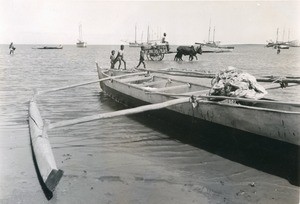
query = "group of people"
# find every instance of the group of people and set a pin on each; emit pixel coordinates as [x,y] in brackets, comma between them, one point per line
[120,55]
[119,58]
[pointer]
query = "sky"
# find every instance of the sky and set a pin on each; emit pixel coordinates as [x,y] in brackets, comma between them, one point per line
[113,22]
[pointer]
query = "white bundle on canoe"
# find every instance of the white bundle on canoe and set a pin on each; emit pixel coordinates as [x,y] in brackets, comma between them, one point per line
[234,83]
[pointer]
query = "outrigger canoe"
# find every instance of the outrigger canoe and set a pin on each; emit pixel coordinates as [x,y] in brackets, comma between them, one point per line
[269,118]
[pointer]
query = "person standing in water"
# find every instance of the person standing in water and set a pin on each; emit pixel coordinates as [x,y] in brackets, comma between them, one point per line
[278,50]
[120,57]
[11,48]
[142,57]
[112,59]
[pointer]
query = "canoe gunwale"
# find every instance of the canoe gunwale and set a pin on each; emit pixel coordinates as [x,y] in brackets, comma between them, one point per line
[158,76]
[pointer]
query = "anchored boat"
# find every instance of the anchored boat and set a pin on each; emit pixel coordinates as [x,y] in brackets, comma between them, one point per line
[273,119]
[80,42]
[50,47]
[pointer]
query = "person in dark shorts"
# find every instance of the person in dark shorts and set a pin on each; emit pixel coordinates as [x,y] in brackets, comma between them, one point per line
[142,57]
[11,48]
[120,57]
[112,59]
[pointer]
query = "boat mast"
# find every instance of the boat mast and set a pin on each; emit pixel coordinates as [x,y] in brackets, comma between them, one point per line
[80,32]
[142,37]
[135,35]
[283,33]
[148,34]
[214,35]
[277,35]
[209,30]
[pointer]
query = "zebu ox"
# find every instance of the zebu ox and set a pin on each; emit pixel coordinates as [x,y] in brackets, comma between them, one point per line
[187,50]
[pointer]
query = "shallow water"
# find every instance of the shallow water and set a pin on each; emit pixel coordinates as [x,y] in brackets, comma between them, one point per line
[136,159]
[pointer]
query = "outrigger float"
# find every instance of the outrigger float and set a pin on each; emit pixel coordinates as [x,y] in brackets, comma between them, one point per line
[146,90]
[42,149]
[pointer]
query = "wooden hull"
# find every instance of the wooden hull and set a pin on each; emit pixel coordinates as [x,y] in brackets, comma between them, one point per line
[81,44]
[42,149]
[132,44]
[50,48]
[206,49]
[276,121]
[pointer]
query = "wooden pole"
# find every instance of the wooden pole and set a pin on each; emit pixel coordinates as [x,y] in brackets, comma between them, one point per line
[270,101]
[249,100]
[90,82]
[203,75]
[120,113]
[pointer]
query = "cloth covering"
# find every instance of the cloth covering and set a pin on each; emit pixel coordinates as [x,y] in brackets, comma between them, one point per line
[235,83]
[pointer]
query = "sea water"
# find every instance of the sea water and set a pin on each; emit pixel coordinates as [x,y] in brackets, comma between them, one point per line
[135,159]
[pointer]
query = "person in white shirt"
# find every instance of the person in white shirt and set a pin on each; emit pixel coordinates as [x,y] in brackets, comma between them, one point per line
[120,57]
[163,40]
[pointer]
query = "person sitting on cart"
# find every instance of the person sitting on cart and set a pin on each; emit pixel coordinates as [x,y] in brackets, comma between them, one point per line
[163,40]
[120,57]
[142,57]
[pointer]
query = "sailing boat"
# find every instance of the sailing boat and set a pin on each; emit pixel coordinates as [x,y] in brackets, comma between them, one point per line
[280,44]
[212,43]
[80,42]
[214,46]
[149,41]
[135,43]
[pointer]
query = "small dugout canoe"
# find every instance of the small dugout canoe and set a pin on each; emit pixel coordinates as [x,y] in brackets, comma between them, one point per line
[272,119]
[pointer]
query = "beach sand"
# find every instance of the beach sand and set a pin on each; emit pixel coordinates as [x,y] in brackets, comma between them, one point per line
[105,175]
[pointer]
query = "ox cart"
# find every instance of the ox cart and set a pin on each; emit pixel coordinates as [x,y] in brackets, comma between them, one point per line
[156,52]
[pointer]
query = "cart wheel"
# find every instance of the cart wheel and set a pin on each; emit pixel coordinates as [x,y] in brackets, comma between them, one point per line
[156,55]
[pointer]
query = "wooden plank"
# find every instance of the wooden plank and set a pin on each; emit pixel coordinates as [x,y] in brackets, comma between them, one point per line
[250,100]
[226,97]
[192,93]
[152,83]
[172,88]
[133,79]
[204,75]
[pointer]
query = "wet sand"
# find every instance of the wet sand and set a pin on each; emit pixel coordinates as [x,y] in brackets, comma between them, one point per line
[157,170]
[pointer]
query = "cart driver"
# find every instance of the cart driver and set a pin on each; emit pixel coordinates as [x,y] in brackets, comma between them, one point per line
[163,40]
